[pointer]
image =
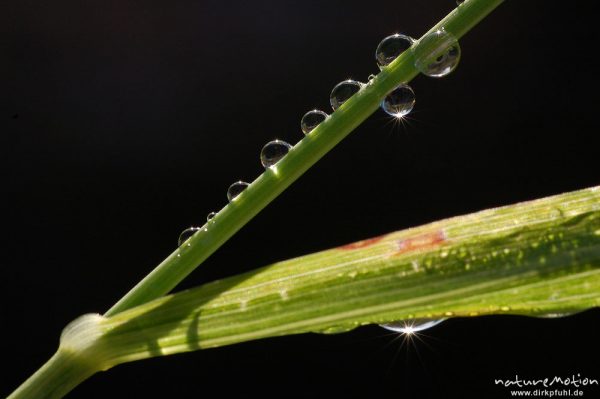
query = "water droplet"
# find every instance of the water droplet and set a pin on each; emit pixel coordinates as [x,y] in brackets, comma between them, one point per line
[437,54]
[391,47]
[311,120]
[341,328]
[273,151]
[187,233]
[415,265]
[342,92]
[459,2]
[411,326]
[399,102]
[555,315]
[210,216]
[555,213]
[236,189]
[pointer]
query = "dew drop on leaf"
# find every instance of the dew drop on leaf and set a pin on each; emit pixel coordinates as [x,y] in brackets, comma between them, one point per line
[437,54]
[343,91]
[236,189]
[311,120]
[273,151]
[399,102]
[411,326]
[391,47]
[186,234]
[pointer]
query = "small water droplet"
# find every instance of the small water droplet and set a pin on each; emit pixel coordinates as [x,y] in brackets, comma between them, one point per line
[273,151]
[555,213]
[391,47]
[210,216]
[459,2]
[554,315]
[311,120]
[342,92]
[437,54]
[236,189]
[505,308]
[415,265]
[342,328]
[411,326]
[187,233]
[399,102]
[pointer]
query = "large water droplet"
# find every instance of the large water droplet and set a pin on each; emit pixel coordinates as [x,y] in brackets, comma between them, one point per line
[311,120]
[391,47]
[399,102]
[437,54]
[411,326]
[236,189]
[342,92]
[273,151]
[210,216]
[187,233]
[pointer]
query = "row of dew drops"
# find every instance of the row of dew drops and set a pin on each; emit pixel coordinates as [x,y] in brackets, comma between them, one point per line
[440,57]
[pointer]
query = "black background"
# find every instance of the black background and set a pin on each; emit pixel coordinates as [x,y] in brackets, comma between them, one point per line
[125,122]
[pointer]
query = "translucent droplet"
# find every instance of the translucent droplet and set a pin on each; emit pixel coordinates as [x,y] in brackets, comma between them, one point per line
[273,151]
[437,54]
[391,47]
[399,102]
[210,216]
[236,189]
[342,92]
[459,2]
[311,120]
[411,326]
[341,328]
[187,233]
[555,315]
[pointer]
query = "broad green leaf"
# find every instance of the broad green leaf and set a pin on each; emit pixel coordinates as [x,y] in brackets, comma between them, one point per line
[539,258]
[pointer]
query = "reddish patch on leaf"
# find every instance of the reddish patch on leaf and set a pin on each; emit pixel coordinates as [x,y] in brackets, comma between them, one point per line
[427,240]
[363,243]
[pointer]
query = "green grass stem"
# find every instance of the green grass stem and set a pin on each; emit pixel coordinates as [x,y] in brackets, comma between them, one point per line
[304,154]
